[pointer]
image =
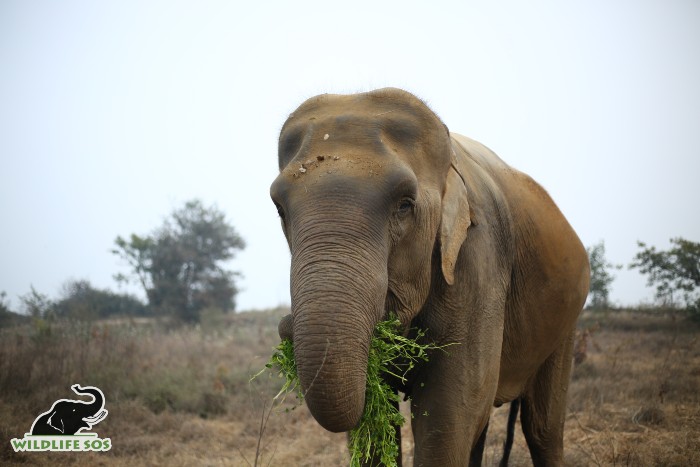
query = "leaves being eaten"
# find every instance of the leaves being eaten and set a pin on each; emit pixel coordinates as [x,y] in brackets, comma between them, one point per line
[283,358]
[391,355]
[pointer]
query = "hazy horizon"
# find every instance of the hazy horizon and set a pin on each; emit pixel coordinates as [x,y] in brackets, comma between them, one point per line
[115,113]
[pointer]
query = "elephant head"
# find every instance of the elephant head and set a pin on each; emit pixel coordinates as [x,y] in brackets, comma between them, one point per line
[68,417]
[368,196]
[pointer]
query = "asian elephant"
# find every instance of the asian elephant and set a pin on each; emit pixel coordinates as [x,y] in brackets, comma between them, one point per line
[384,210]
[68,417]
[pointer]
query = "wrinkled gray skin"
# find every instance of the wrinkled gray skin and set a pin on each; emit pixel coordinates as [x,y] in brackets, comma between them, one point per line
[68,417]
[385,210]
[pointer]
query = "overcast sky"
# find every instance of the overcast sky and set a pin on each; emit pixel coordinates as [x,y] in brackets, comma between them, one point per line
[114,113]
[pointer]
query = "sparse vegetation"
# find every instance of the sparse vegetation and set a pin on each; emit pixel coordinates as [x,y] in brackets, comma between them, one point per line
[182,396]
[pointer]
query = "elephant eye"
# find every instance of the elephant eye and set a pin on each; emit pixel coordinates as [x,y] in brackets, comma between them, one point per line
[405,207]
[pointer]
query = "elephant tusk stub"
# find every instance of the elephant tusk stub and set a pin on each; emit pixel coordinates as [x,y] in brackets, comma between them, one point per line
[96,418]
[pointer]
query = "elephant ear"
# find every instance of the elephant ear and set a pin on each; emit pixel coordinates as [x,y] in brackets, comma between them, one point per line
[56,424]
[455,222]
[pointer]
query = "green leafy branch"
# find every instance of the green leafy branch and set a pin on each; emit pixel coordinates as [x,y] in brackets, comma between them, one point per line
[390,355]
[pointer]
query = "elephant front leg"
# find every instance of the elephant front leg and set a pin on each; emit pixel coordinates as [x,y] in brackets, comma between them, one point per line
[477,453]
[450,410]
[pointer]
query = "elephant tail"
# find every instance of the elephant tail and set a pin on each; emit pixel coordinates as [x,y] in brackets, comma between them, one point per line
[510,433]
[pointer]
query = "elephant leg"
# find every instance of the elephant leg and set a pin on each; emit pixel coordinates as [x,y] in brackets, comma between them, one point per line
[544,407]
[448,424]
[510,432]
[477,454]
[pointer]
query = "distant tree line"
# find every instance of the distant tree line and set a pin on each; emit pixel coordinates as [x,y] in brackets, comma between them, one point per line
[675,273]
[179,266]
[80,300]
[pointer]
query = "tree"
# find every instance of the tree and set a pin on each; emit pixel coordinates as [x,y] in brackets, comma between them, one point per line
[675,272]
[7,316]
[601,277]
[37,305]
[179,265]
[4,304]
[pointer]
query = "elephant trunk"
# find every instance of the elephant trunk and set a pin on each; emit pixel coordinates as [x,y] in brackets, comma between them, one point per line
[96,405]
[338,286]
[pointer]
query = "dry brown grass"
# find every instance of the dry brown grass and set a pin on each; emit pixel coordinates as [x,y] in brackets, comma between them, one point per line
[183,397]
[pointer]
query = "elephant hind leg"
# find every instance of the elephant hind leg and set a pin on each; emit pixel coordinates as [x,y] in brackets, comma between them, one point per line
[544,407]
[477,453]
[510,432]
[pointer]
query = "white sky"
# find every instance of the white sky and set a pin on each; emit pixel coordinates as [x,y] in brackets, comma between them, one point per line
[114,113]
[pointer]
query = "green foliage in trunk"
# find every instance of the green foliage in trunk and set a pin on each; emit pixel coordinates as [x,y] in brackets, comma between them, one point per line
[391,355]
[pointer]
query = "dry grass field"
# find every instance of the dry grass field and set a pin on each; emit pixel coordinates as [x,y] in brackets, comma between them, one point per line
[182,397]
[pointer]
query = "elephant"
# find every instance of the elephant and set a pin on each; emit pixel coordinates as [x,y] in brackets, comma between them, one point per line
[386,211]
[69,417]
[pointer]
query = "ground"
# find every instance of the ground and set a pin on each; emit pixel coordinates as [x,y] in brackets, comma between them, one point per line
[183,396]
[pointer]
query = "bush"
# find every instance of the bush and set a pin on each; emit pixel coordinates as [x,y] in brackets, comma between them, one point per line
[82,301]
[694,311]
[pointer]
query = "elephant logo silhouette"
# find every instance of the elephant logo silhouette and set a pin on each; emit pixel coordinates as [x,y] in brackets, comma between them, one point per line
[70,417]
[61,427]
